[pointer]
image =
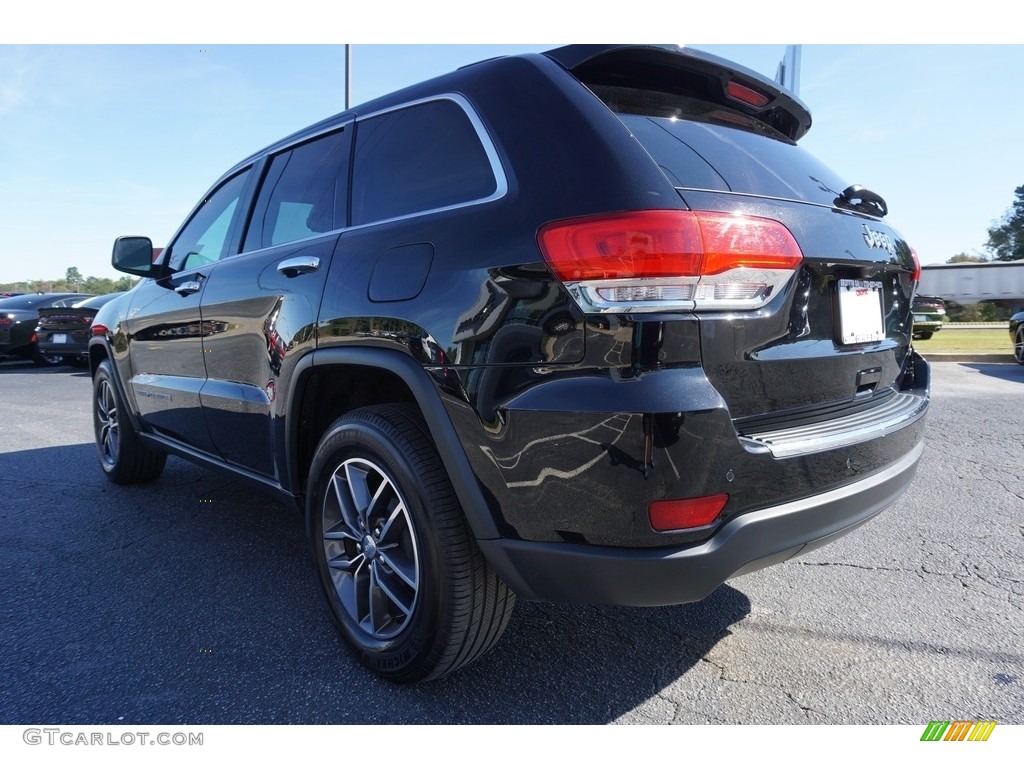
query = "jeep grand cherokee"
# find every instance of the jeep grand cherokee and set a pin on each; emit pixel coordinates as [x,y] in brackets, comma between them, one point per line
[582,326]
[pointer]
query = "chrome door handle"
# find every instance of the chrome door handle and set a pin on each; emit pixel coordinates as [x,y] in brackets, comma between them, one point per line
[300,265]
[188,287]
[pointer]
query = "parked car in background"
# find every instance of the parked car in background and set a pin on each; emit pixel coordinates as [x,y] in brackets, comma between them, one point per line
[62,334]
[1017,336]
[19,316]
[586,326]
[929,315]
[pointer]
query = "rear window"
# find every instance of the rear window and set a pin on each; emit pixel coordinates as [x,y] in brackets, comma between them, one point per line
[710,155]
[96,301]
[303,194]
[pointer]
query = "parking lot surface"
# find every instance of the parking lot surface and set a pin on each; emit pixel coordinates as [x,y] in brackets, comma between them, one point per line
[192,600]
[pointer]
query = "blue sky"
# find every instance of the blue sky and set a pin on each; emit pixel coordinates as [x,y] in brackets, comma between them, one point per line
[102,140]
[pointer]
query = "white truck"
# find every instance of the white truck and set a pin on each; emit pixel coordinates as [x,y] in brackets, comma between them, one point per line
[1000,282]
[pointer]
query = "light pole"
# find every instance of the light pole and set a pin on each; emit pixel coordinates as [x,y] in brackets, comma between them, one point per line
[348,75]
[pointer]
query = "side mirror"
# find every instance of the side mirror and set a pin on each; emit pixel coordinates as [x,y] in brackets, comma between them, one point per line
[136,256]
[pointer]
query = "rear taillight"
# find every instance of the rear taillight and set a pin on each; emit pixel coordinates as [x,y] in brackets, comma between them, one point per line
[99,330]
[916,274]
[5,321]
[653,261]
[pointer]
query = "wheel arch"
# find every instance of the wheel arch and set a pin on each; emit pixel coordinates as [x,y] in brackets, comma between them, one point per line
[327,383]
[99,350]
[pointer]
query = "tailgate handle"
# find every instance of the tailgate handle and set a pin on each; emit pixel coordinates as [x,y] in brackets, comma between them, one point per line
[868,379]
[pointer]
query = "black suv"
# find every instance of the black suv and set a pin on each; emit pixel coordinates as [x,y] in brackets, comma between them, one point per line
[583,326]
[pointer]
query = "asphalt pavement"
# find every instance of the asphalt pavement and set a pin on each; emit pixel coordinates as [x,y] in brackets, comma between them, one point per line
[192,601]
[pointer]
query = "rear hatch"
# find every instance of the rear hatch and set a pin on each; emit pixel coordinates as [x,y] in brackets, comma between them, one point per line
[66,319]
[831,338]
[62,325]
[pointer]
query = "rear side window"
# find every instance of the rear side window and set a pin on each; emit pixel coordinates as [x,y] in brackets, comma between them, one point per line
[706,155]
[303,193]
[417,159]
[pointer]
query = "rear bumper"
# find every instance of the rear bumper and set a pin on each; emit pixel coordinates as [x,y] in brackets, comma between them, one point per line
[666,576]
[70,351]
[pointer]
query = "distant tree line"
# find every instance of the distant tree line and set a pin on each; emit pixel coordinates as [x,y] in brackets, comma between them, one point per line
[1005,236]
[73,282]
[986,312]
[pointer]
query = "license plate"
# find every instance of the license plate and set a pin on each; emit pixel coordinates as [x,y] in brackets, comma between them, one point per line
[860,311]
[920,318]
[59,338]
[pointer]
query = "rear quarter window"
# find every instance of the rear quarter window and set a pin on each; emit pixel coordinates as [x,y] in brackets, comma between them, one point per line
[416,159]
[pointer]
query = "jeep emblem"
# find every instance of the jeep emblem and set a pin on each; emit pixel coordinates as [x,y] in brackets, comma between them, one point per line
[876,239]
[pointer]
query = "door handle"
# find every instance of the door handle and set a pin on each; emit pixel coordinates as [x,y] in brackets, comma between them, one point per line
[188,287]
[300,265]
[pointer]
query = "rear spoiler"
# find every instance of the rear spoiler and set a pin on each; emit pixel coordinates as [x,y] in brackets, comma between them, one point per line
[688,72]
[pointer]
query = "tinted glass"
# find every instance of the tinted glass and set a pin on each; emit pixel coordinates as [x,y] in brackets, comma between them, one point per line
[303,194]
[703,155]
[97,301]
[68,301]
[417,159]
[205,237]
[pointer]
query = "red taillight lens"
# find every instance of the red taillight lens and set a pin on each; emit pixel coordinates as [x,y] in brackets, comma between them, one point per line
[731,242]
[643,244]
[99,330]
[915,275]
[33,338]
[746,94]
[657,260]
[4,321]
[677,514]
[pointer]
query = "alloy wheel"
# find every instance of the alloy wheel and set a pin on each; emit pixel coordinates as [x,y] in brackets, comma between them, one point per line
[370,548]
[106,423]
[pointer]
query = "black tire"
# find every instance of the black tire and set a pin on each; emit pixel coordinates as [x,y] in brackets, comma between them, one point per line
[407,585]
[923,335]
[1018,345]
[123,457]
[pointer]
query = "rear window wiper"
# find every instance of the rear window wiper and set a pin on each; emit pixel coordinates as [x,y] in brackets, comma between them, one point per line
[863,200]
